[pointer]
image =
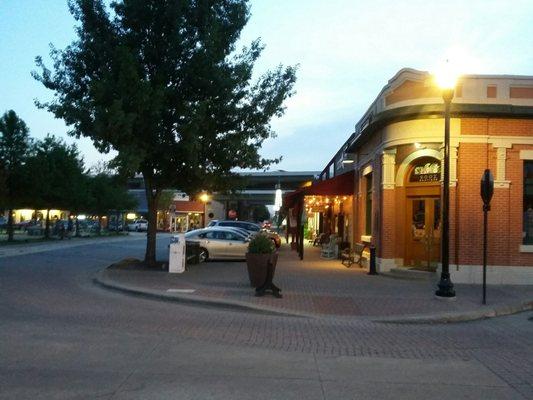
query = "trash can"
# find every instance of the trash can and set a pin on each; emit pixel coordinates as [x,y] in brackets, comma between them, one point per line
[192,251]
[177,254]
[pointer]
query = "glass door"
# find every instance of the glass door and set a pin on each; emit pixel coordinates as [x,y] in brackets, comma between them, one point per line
[423,232]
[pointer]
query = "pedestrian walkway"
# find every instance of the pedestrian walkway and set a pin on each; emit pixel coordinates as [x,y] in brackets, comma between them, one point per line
[321,288]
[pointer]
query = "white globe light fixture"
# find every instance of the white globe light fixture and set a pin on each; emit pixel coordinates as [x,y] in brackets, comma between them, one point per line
[278,200]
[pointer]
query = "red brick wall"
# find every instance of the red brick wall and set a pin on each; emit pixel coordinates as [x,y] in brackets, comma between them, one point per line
[497,126]
[505,218]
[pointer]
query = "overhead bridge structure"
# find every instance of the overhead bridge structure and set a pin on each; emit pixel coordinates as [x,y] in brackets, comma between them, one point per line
[259,190]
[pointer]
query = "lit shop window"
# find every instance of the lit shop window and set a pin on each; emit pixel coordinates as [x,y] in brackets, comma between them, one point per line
[528,203]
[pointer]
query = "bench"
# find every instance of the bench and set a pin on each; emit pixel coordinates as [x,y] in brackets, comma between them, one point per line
[355,256]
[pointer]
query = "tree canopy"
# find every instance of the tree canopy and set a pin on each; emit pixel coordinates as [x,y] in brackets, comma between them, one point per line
[163,83]
[14,146]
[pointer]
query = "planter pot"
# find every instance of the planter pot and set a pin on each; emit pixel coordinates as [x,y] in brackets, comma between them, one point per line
[260,267]
[257,268]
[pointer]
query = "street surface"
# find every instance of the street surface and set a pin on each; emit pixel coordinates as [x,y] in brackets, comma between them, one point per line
[62,337]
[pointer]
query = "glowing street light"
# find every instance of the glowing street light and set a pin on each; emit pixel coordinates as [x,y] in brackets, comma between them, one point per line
[204,198]
[446,79]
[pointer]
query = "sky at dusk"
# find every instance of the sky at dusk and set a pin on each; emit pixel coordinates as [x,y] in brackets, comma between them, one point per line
[346,52]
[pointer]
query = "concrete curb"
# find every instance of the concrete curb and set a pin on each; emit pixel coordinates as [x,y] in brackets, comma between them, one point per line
[466,316]
[236,305]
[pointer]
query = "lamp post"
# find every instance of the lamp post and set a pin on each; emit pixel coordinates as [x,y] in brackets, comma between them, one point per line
[204,198]
[445,285]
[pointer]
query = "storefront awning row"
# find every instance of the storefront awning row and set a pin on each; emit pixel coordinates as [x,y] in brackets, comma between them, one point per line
[341,185]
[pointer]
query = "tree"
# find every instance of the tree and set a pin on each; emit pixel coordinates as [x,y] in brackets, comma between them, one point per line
[106,194]
[14,145]
[260,213]
[55,176]
[161,82]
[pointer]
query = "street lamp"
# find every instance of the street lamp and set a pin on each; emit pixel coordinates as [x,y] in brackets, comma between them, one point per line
[447,82]
[204,198]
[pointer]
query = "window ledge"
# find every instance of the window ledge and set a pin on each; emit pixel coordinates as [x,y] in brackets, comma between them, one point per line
[526,248]
[368,238]
[501,184]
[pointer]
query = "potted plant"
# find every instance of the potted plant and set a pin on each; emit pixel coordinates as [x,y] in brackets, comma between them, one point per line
[261,253]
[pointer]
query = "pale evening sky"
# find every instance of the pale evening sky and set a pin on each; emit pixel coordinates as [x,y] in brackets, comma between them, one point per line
[347,51]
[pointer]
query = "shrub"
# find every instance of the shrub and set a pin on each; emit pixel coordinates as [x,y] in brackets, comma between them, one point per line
[261,244]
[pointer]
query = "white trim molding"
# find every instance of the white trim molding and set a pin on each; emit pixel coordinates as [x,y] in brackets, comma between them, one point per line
[366,238]
[501,160]
[496,275]
[367,170]
[526,154]
[526,248]
[385,264]
[388,165]
[402,170]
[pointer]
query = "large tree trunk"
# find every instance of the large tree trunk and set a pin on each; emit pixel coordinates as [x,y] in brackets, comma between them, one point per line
[10,226]
[47,225]
[152,197]
[117,214]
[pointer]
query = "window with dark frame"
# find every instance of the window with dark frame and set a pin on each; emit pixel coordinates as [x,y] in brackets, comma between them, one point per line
[368,206]
[528,203]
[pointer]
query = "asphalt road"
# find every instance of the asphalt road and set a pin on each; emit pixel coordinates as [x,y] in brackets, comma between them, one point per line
[61,337]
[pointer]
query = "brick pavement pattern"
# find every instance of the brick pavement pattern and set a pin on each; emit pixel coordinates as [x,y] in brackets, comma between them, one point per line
[63,337]
[322,287]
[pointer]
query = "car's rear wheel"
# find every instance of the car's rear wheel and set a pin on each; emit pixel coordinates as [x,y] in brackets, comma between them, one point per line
[204,254]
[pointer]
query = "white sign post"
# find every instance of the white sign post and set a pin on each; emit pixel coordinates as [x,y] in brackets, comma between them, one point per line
[177,257]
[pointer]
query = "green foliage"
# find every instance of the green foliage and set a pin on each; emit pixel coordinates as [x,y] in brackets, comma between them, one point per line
[162,83]
[261,244]
[106,193]
[260,213]
[54,174]
[14,146]
[166,200]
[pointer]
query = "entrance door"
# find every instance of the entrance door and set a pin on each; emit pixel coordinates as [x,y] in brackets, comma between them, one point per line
[423,232]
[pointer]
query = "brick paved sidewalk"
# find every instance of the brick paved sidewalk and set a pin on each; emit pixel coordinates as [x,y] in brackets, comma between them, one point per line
[323,288]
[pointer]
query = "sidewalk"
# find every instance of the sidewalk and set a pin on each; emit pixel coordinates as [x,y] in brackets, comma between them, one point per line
[18,249]
[320,288]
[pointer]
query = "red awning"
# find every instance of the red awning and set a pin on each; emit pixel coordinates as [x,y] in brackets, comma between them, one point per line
[184,206]
[341,185]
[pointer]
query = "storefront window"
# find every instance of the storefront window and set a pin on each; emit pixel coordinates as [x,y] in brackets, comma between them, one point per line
[528,203]
[368,219]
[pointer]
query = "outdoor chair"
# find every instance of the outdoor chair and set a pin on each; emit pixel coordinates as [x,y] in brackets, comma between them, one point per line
[329,249]
[355,256]
[319,240]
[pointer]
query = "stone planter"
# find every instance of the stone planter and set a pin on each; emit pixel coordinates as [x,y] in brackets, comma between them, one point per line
[258,267]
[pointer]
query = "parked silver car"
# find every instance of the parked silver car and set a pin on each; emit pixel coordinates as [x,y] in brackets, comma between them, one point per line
[219,243]
[138,225]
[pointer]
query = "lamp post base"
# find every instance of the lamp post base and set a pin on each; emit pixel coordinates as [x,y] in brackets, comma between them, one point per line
[445,287]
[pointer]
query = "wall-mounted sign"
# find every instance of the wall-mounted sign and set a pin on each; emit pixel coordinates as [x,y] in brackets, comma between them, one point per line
[427,172]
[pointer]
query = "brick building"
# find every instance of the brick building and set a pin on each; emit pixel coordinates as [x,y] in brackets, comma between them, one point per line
[395,157]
